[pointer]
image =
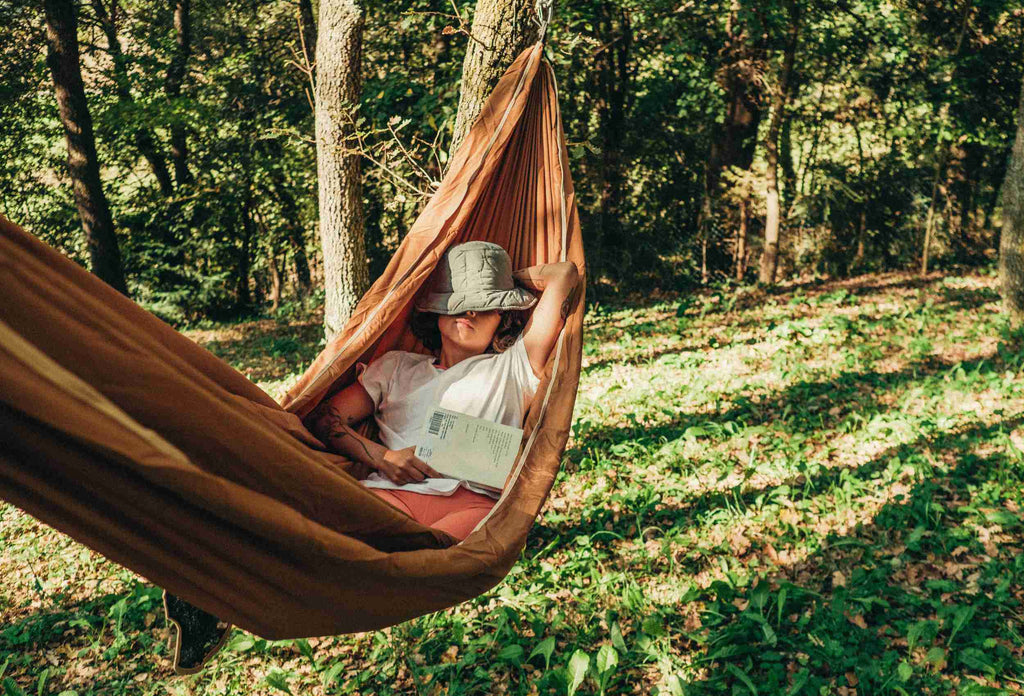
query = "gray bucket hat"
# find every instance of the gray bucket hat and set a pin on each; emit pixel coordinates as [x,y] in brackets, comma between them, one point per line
[474,276]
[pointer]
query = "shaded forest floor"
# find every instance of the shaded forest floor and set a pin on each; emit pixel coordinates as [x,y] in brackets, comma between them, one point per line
[817,490]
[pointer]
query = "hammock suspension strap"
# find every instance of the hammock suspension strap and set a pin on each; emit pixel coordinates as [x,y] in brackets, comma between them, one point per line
[544,10]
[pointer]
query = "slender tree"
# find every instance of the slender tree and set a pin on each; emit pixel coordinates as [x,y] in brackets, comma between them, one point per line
[613,63]
[770,255]
[342,234]
[172,86]
[942,151]
[736,138]
[307,24]
[63,60]
[144,138]
[501,30]
[1011,243]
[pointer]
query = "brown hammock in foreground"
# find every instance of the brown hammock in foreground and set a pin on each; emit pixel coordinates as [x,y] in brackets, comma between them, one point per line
[137,442]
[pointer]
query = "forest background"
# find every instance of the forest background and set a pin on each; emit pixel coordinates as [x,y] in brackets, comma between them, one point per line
[874,128]
[808,488]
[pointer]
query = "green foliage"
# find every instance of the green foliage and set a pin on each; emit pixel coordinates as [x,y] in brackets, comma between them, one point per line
[885,93]
[810,506]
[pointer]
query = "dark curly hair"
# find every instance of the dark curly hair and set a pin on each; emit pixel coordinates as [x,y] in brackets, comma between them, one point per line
[424,327]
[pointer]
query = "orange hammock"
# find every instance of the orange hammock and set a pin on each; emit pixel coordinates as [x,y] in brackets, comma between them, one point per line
[136,442]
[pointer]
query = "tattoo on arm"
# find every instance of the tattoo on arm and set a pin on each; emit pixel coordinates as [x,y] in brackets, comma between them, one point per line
[333,425]
[565,308]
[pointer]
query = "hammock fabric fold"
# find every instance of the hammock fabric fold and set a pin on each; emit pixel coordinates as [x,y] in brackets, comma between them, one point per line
[137,442]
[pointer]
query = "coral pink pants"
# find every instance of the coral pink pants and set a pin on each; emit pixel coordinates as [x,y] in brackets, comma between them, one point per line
[456,514]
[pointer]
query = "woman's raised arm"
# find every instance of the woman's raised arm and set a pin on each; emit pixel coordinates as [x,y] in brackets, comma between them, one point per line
[555,282]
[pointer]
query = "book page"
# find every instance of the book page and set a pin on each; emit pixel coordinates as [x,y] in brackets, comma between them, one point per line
[468,448]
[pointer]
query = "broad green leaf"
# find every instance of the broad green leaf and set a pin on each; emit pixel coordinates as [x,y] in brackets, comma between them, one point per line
[42,681]
[1003,518]
[512,653]
[798,682]
[653,626]
[278,680]
[742,676]
[916,631]
[975,659]
[936,656]
[545,648]
[305,648]
[577,670]
[330,675]
[240,643]
[759,595]
[607,659]
[617,640]
[10,688]
[962,615]
[904,671]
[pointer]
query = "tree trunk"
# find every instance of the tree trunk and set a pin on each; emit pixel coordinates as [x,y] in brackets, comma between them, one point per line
[1011,242]
[741,240]
[736,139]
[704,219]
[144,139]
[943,151]
[786,157]
[297,239]
[770,256]
[342,234]
[501,30]
[242,297]
[613,94]
[175,78]
[308,23]
[929,225]
[858,255]
[83,162]
[966,169]
[290,214]
[275,276]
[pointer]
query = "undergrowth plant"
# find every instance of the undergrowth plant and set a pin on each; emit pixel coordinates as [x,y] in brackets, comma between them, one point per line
[811,491]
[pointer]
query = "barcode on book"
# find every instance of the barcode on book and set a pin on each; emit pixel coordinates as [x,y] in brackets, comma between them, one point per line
[440,424]
[435,423]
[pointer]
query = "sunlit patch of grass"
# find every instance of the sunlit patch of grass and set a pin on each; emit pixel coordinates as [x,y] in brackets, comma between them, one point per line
[811,490]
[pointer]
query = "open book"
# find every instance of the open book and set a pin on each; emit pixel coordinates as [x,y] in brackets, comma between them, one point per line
[467,448]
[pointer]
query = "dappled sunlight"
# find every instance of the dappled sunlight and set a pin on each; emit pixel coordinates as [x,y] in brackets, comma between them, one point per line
[805,476]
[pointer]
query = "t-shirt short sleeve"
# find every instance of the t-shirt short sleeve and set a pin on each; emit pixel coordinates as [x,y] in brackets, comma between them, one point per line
[379,374]
[521,368]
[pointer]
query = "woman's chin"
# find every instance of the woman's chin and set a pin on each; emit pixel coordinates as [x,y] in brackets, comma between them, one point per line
[468,347]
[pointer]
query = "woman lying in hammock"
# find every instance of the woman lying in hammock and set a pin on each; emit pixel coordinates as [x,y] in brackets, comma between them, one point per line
[486,366]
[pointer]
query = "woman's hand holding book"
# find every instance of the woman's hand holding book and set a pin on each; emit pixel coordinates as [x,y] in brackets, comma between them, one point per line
[403,466]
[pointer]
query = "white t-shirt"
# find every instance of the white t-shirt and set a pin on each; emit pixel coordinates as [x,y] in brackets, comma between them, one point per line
[404,385]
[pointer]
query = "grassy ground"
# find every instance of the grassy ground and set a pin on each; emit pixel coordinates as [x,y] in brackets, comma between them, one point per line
[815,491]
